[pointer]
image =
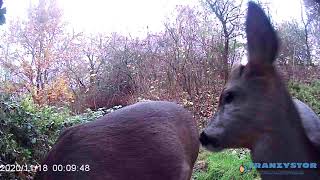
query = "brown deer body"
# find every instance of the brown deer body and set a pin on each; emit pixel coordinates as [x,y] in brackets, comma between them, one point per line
[256,111]
[153,140]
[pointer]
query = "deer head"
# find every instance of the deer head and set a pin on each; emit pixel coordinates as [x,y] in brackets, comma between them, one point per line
[254,97]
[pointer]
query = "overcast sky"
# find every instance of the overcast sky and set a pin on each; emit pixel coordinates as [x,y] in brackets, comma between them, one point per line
[131,16]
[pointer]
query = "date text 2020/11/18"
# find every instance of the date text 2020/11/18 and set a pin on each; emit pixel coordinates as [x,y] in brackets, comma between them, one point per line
[44,167]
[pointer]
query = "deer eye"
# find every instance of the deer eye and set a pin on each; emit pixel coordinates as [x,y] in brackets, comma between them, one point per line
[228,97]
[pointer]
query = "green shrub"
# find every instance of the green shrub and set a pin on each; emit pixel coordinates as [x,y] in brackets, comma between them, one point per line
[88,116]
[19,137]
[28,131]
[309,94]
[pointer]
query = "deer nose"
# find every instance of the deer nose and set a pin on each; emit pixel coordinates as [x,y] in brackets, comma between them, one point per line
[206,140]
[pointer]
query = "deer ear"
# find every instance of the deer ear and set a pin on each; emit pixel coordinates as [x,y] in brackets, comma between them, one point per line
[262,38]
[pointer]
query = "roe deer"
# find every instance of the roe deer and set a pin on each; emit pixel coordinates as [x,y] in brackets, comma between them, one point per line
[154,140]
[256,111]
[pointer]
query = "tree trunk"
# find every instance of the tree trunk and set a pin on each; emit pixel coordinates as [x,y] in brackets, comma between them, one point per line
[307,45]
[225,52]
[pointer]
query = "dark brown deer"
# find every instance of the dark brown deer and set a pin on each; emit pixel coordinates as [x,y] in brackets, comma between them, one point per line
[153,140]
[256,111]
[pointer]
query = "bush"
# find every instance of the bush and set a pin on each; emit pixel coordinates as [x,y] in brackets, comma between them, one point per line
[29,131]
[309,94]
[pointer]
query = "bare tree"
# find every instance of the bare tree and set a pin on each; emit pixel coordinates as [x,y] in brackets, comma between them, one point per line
[306,21]
[228,14]
[36,50]
[312,10]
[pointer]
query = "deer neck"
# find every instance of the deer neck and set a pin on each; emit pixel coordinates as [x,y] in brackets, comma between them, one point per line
[286,143]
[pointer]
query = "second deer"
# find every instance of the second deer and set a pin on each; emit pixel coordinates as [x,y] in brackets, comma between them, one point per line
[257,112]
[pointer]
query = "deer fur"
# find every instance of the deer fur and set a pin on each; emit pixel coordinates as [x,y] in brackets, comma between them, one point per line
[154,140]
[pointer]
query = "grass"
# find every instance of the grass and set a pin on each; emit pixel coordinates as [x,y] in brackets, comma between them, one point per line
[224,165]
